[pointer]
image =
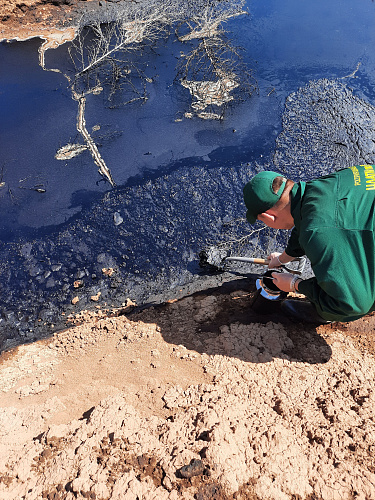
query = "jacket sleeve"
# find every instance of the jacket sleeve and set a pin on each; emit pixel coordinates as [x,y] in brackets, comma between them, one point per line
[293,247]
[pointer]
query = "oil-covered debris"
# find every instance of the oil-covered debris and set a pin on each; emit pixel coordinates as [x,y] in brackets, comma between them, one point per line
[325,127]
[164,223]
[70,151]
[102,59]
[208,93]
[213,258]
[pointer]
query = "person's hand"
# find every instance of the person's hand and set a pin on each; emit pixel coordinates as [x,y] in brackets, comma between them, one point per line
[273,260]
[282,280]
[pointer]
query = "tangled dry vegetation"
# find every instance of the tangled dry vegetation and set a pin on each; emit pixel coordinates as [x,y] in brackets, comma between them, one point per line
[110,46]
[110,50]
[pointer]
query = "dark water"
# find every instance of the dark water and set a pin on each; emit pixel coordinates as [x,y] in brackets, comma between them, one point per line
[178,182]
[286,44]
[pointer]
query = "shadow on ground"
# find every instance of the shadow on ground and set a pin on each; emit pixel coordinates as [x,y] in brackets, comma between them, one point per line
[220,321]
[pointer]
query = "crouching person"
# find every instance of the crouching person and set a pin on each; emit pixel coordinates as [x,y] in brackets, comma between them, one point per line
[332,220]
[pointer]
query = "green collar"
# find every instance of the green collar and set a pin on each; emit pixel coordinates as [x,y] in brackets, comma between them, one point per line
[298,190]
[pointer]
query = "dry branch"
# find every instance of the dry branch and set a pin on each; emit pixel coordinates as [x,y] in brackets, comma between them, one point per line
[107,55]
[91,146]
[212,69]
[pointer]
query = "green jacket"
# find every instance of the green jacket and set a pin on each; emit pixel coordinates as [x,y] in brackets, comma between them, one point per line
[334,220]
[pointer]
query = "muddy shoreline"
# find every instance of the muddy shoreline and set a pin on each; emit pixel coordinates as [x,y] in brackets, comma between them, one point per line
[150,235]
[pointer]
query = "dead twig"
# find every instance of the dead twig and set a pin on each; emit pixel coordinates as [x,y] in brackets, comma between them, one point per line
[352,75]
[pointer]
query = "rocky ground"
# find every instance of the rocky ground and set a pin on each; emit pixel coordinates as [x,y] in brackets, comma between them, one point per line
[197,398]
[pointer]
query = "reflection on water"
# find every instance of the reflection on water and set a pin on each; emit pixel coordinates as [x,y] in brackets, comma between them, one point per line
[285,43]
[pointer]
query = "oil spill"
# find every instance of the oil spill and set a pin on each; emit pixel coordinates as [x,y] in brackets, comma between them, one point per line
[178,182]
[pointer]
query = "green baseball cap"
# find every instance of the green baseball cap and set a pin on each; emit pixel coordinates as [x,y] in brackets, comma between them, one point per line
[259,196]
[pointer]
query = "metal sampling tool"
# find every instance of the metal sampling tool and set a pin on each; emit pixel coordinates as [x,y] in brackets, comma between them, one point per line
[267,296]
[217,258]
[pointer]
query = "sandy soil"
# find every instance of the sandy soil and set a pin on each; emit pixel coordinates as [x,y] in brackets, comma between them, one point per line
[190,400]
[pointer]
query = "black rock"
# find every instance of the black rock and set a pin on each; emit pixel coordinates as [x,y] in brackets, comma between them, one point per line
[195,468]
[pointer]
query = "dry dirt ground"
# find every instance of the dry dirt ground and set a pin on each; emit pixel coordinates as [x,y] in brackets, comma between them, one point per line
[193,400]
[23,19]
